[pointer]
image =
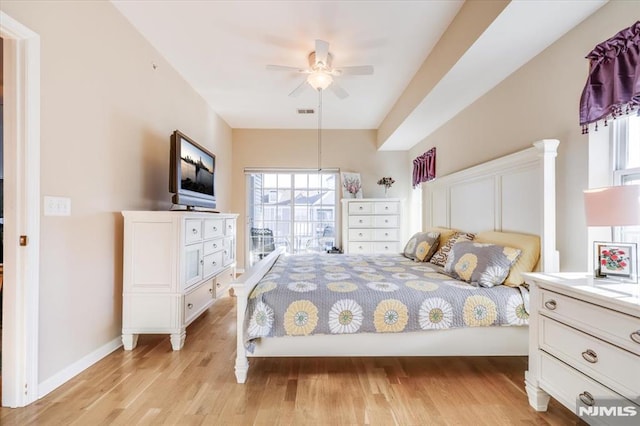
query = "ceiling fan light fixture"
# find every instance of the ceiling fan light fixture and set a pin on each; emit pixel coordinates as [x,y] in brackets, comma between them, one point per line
[319,80]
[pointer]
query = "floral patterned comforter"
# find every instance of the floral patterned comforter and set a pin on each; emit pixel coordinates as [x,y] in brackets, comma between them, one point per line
[341,293]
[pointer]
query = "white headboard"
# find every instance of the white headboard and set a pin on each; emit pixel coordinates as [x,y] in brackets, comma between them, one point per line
[514,193]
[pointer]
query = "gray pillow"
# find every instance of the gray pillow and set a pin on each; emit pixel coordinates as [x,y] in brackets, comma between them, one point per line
[421,246]
[481,264]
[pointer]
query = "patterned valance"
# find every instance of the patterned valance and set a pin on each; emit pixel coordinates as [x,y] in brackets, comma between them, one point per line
[613,85]
[424,167]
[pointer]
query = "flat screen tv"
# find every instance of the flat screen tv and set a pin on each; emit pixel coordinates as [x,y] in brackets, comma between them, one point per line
[192,175]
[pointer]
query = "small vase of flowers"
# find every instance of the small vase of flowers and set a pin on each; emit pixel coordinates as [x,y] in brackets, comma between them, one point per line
[386,182]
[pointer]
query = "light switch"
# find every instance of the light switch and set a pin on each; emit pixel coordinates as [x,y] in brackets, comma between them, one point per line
[57,206]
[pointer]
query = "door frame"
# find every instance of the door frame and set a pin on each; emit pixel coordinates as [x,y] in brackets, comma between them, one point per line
[21,212]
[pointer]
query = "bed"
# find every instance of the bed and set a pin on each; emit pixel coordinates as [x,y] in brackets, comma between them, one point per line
[514,193]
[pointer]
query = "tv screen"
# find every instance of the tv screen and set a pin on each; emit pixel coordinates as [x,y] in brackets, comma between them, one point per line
[192,177]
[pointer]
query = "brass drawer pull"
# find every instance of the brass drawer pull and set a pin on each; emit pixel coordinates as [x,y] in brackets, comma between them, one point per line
[587,398]
[550,304]
[590,356]
[635,336]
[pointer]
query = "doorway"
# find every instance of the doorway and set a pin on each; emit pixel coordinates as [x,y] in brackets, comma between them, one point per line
[21,190]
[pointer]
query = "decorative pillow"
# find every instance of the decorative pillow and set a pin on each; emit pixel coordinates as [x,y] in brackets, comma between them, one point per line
[528,244]
[481,264]
[440,257]
[421,246]
[445,234]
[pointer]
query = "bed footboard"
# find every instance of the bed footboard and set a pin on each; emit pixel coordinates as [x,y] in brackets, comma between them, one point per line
[242,289]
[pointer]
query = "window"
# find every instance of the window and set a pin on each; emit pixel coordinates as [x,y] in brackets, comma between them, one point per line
[295,210]
[626,165]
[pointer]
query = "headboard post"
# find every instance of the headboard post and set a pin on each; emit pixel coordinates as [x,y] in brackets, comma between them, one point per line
[513,193]
[548,151]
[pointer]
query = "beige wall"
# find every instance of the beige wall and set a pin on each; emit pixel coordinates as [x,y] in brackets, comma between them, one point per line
[106,117]
[348,150]
[539,101]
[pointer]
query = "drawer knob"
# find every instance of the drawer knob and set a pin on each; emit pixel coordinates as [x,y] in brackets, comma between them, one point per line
[360,221]
[194,231]
[190,305]
[215,228]
[386,221]
[360,208]
[210,290]
[386,234]
[550,304]
[590,356]
[587,398]
[360,234]
[386,207]
[213,263]
[202,261]
[635,336]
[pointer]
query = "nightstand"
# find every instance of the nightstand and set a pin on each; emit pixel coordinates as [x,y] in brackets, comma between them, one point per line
[584,342]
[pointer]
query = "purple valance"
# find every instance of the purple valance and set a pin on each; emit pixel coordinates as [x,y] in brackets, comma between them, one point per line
[424,167]
[613,85]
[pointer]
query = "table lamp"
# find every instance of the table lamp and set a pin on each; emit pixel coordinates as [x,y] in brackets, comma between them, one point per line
[614,206]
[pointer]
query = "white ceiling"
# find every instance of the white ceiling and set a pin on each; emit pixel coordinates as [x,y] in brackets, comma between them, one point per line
[222,47]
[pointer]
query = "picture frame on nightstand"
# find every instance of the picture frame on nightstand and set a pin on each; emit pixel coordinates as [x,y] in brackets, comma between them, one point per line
[616,261]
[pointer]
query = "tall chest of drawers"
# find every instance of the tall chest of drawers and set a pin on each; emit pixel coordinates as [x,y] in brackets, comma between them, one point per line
[584,344]
[175,265]
[371,225]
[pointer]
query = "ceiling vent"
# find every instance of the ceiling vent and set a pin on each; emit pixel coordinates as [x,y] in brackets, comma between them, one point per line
[306,111]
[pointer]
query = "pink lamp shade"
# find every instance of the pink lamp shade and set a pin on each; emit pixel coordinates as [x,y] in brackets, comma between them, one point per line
[613,206]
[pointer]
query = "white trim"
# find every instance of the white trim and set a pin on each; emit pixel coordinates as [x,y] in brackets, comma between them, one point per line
[21,211]
[77,367]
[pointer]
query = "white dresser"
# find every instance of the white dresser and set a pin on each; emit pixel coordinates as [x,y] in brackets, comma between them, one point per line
[176,263]
[584,345]
[371,225]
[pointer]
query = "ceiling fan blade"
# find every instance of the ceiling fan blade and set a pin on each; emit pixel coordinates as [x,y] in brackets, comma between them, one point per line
[296,92]
[338,90]
[356,70]
[322,52]
[286,68]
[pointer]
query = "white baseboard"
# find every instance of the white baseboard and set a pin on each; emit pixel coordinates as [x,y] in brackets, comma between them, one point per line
[77,367]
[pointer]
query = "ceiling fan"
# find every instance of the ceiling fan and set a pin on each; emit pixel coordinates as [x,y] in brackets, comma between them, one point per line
[321,73]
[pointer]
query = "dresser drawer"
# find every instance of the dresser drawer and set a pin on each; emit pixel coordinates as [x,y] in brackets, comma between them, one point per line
[213,228]
[386,235]
[360,208]
[192,231]
[619,328]
[197,300]
[604,362]
[212,263]
[567,384]
[360,234]
[360,247]
[390,247]
[360,221]
[211,246]
[391,207]
[229,227]
[386,221]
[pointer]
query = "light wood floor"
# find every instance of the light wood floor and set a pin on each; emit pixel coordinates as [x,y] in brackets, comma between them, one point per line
[154,385]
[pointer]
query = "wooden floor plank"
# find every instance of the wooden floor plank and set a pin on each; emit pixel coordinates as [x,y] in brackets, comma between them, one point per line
[155,385]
